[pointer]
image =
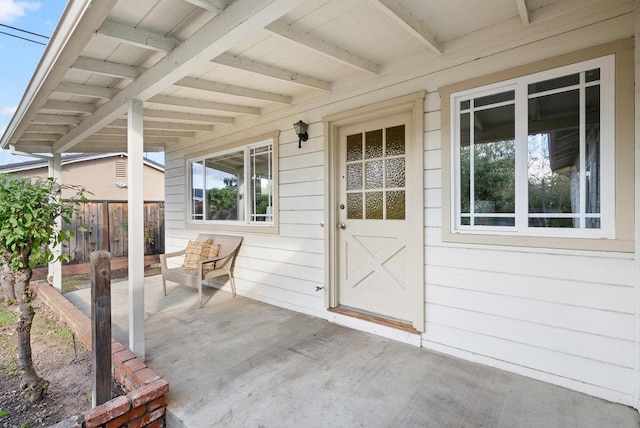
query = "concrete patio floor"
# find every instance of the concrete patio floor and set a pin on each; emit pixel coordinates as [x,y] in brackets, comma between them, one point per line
[242,363]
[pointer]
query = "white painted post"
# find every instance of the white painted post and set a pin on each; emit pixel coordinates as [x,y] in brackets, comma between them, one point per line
[54,276]
[135,143]
[636,33]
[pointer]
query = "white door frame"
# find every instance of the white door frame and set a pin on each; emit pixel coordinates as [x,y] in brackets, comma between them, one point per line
[413,103]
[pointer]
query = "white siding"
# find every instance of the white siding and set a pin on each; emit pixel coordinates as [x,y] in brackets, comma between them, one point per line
[561,316]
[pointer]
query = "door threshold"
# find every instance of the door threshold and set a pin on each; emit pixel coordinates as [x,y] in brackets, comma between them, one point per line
[376,319]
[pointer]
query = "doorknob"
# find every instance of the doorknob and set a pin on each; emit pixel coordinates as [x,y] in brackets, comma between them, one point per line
[342,225]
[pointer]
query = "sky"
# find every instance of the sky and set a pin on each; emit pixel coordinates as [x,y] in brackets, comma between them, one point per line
[19,58]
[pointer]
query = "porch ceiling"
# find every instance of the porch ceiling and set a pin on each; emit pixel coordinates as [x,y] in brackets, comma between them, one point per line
[201,65]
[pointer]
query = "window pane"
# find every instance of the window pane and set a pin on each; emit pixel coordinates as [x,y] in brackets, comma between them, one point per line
[395,141]
[554,157]
[262,184]
[354,206]
[567,223]
[592,75]
[494,160]
[395,173]
[374,204]
[354,176]
[224,183]
[465,164]
[494,98]
[592,148]
[557,83]
[197,190]
[396,205]
[354,147]
[373,175]
[373,144]
[494,221]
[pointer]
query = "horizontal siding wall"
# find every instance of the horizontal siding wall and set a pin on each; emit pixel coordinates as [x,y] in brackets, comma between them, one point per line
[565,317]
[560,316]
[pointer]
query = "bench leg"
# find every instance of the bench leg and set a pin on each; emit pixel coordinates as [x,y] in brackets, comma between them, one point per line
[200,293]
[233,285]
[164,285]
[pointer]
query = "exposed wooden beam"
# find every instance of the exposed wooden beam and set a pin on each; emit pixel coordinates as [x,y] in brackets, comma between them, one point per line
[86,90]
[147,132]
[205,105]
[123,139]
[270,71]
[28,136]
[106,68]
[35,146]
[327,49]
[524,12]
[45,129]
[148,124]
[68,106]
[216,6]
[56,119]
[240,20]
[137,37]
[409,23]
[206,85]
[187,117]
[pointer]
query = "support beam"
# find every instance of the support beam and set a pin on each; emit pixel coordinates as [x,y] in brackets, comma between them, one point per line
[240,20]
[216,6]
[205,85]
[86,90]
[117,139]
[56,119]
[333,52]
[204,105]
[68,106]
[136,37]
[135,227]
[524,12]
[188,117]
[270,71]
[636,264]
[160,133]
[148,124]
[409,23]
[54,276]
[106,68]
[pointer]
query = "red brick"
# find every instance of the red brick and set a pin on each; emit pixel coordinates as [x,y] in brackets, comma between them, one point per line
[116,347]
[149,392]
[160,423]
[131,415]
[107,411]
[158,402]
[145,376]
[132,366]
[146,419]
[122,356]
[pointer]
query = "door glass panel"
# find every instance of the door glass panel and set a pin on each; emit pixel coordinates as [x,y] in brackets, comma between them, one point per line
[354,176]
[374,205]
[373,173]
[354,147]
[354,206]
[395,205]
[395,141]
[395,173]
[373,144]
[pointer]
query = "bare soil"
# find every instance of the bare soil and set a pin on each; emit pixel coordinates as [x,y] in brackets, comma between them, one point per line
[58,358]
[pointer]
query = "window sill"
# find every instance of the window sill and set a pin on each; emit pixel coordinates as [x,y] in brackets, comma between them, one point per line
[242,228]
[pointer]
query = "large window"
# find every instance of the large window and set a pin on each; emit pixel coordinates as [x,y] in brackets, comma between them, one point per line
[233,187]
[534,155]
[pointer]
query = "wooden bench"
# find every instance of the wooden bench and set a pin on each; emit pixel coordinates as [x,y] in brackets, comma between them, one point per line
[224,262]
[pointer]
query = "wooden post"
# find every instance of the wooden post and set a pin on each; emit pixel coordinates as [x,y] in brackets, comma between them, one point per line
[101,327]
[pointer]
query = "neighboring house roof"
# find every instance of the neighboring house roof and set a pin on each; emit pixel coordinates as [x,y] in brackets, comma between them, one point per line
[200,67]
[70,159]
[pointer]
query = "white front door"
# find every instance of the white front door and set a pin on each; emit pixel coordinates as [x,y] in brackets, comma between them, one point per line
[376,253]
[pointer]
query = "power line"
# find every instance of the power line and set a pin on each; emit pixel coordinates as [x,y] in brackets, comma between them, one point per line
[24,31]
[23,38]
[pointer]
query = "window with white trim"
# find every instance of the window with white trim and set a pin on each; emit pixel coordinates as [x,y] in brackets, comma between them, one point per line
[233,187]
[535,155]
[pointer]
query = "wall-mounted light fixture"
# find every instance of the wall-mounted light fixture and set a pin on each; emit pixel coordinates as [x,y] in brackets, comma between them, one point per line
[301,129]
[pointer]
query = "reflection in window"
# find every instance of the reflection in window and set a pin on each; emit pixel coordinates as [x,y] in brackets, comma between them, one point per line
[235,186]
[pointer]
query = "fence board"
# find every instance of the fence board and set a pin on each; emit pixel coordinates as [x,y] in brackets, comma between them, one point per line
[106,229]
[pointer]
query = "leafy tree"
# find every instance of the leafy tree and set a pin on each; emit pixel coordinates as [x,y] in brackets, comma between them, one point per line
[223,201]
[28,212]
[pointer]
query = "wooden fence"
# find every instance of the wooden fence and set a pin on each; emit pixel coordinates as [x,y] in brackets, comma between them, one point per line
[106,229]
